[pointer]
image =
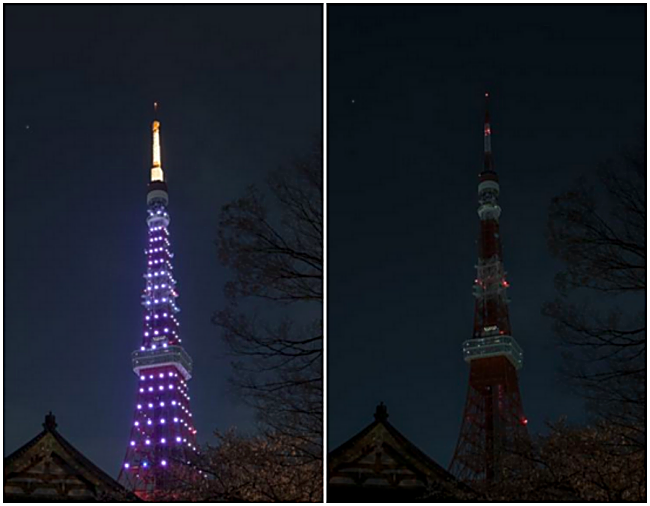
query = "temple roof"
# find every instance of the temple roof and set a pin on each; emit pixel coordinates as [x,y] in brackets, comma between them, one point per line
[49,468]
[381,464]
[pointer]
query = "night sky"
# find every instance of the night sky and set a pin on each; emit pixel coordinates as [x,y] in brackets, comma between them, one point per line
[240,93]
[405,112]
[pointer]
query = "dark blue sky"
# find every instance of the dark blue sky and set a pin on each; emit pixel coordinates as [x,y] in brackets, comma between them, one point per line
[405,112]
[240,91]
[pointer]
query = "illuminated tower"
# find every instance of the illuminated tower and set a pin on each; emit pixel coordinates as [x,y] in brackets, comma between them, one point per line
[493,419]
[162,433]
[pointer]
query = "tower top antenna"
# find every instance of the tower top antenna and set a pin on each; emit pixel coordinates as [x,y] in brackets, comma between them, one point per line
[488,163]
[156,166]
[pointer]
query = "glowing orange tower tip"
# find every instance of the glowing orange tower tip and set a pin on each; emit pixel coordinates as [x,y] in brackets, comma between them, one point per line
[493,420]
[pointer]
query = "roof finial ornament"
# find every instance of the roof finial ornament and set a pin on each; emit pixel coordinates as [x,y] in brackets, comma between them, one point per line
[50,422]
[381,413]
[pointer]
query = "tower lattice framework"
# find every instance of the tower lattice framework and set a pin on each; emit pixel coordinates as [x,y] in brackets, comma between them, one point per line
[163,438]
[493,419]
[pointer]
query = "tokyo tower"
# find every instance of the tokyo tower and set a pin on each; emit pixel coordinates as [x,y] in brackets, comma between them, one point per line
[163,437]
[493,419]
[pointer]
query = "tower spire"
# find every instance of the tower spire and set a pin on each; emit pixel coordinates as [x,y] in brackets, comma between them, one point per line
[156,166]
[488,165]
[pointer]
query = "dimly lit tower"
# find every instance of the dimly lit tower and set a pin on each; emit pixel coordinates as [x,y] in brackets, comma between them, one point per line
[162,434]
[493,419]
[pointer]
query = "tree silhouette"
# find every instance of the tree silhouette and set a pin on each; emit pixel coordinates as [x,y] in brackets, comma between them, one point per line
[598,231]
[273,243]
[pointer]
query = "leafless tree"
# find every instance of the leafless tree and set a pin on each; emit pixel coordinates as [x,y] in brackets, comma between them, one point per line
[572,463]
[598,231]
[248,469]
[273,243]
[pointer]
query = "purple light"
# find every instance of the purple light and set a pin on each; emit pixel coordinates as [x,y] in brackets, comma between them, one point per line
[178,439]
[164,462]
[151,389]
[171,387]
[151,376]
[139,406]
[164,345]
[161,375]
[175,419]
[132,443]
[162,387]
[150,405]
[147,442]
[136,423]
[142,390]
[162,420]
[171,374]
[149,422]
[163,440]
[145,464]
[126,465]
[162,404]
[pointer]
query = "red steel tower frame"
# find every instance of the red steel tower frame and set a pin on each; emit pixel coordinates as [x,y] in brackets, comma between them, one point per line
[493,419]
[163,437]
